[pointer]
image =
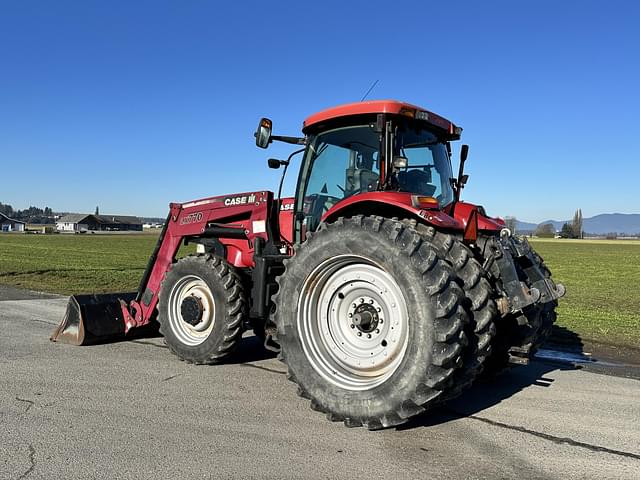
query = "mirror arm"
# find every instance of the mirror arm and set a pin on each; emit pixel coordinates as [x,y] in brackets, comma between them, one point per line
[284,172]
[292,140]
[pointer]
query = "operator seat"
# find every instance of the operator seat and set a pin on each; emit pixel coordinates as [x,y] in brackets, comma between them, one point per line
[360,180]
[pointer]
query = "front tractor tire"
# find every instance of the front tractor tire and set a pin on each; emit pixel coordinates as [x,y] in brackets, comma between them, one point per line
[370,321]
[201,308]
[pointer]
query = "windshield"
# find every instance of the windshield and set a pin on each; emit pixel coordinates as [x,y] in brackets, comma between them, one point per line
[428,170]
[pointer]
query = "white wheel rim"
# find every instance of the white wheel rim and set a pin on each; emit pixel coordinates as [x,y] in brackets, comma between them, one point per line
[351,355]
[191,286]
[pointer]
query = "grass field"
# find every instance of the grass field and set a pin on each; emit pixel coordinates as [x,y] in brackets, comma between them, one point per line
[76,263]
[602,277]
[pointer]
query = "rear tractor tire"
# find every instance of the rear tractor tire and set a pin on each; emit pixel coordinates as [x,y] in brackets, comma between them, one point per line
[370,321]
[201,309]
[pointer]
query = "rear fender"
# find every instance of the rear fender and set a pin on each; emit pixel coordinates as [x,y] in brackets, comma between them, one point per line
[390,204]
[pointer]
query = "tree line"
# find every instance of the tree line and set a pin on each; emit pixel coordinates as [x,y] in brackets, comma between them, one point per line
[573,230]
[29,215]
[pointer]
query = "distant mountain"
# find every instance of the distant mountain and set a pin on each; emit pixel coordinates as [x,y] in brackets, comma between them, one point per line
[598,225]
[525,226]
[613,222]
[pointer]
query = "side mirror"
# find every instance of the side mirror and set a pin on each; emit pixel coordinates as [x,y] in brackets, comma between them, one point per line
[400,162]
[274,163]
[464,179]
[263,133]
[464,152]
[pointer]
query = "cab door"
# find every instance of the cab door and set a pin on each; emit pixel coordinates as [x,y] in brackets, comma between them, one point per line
[338,164]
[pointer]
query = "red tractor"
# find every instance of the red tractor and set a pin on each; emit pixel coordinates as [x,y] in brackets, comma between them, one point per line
[383,292]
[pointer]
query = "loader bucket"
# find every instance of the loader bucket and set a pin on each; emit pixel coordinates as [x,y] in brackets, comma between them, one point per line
[92,319]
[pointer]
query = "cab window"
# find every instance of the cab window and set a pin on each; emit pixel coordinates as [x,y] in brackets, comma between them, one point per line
[338,164]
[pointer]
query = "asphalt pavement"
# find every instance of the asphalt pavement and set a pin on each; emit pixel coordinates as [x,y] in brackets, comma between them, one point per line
[133,410]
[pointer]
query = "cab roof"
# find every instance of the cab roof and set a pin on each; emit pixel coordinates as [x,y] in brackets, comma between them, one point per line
[393,107]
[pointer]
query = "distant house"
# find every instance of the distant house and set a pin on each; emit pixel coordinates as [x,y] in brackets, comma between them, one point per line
[11,225]
[76,222]
[81,222]
[119,222]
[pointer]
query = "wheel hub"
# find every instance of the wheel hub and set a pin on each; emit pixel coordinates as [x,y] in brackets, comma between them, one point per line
[365,317]
[191,310]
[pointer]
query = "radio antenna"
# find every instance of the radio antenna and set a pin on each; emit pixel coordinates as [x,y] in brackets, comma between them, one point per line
[369,91]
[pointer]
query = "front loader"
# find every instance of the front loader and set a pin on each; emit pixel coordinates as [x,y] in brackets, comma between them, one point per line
[383,292]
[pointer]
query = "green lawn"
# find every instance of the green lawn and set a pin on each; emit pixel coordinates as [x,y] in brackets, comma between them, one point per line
[602,277]
[75,263]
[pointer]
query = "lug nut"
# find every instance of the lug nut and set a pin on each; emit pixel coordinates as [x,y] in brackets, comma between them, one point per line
[350,315]
[371,301]
[368,335]
[381,320]
[353,326]
[359,334]
[377,330]
[379,309]
[362,300]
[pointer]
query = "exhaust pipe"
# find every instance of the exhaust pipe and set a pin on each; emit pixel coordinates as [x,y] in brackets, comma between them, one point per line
[92,319]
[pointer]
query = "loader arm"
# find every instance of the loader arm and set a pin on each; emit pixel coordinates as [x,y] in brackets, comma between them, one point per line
[244,216]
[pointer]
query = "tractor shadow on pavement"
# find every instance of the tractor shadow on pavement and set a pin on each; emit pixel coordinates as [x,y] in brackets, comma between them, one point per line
[249,350]
[489,391]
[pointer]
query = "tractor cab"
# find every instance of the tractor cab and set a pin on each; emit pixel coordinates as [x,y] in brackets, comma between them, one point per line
[370,148]
[377,146]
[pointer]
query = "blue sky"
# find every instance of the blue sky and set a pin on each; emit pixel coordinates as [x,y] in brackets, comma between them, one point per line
[130,105]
